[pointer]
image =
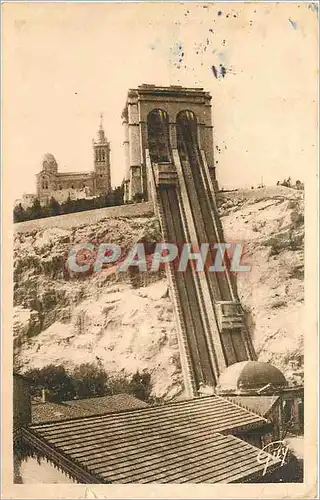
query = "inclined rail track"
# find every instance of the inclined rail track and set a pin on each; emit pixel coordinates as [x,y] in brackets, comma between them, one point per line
[219,286]
[188,214]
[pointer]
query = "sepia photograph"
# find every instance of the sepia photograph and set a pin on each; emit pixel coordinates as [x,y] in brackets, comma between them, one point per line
[159,291]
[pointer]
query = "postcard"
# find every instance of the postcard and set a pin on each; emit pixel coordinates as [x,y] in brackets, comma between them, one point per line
[159,315]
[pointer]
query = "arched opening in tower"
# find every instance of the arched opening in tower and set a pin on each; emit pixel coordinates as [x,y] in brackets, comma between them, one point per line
[158,136]
[187,134]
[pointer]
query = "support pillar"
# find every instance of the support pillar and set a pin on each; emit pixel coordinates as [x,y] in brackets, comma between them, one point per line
[126,159]
[134,151]
[173,135]
[143,146]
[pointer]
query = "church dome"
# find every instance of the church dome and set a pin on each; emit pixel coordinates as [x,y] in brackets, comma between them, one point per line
[249,377]
[48,157]
[49,163]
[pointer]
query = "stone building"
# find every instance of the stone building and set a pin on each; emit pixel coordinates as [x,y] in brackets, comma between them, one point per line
[137,118]
[221,440]
[26,200]
[21,402]
[61,185]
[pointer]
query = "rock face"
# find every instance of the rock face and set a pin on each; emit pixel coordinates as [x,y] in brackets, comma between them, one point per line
[128,323]
[270,224]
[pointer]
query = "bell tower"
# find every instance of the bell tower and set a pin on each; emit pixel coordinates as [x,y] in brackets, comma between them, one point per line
[101,152]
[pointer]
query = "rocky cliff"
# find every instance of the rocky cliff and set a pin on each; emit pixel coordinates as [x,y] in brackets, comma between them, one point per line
[127,322]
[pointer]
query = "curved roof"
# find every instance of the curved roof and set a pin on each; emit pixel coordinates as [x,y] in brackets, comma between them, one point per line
[48,157]
[248,376]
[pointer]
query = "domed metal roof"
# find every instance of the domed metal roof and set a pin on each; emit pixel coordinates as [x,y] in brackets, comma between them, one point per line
[250,377]
[49,158]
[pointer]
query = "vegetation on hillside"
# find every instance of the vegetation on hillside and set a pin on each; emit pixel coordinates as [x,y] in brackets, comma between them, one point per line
[38,211]
[285,183]
[86,380]
[290,184]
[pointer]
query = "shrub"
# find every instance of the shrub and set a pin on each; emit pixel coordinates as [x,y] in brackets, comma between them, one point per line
[297,218]
[19,214]
[297,272]
[292,204]
[137,198]
[275,248]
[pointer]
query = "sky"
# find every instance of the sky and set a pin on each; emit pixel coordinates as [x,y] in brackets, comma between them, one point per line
[64,64]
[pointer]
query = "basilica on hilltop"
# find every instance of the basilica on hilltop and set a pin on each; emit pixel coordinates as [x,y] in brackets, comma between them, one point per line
[64,185]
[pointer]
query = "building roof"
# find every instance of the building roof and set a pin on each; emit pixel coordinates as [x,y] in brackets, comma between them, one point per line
[176,442]
[258,404]
[148,91]
[48,411]
[75,174]
[108,404]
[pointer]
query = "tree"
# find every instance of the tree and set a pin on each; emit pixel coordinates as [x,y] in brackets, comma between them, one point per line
[299,185]
[99,202]
[118,195]
[140,386]
[45,211]
[54,379]
[19,213]
[69,206]
[36,210]
[54,207]
[89,379]
[114,197]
